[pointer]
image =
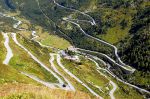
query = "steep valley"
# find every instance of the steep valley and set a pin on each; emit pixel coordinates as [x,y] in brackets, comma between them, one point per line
[74,49]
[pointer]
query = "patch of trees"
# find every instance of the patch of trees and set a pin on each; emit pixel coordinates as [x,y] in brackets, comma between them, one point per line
[137,52]
[82,41]
[141,20]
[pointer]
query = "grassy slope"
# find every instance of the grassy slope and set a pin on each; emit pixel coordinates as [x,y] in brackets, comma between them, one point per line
[88,74]
[126,92]
[7,73]
[136,51]
[122,92]
[2,48]
[23,62]
[55,41]
[116,33]
[115,37]
[27,91]
[49,39]
[43,54]
[77,85]
[6,24]
[108,15]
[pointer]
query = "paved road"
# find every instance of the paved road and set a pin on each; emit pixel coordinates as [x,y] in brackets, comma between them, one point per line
[14,25]
[92,22]
[111,93]
[55,69]
[106,56]
[35,59]
[116,50]
[76,78]
[118,79]
[34,36]
[9,54]
[123,65]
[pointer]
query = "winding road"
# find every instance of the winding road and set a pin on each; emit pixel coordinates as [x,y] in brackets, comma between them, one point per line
[111,93]
[17,24]
[47,84]
[121,64]
[35,59]
[92,22]
[9,51]
[118,79]
[106,56]
[34,36]
[14,25]
[55,69]
[76,78]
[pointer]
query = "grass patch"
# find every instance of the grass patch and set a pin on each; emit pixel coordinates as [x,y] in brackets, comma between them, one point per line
[2,48]
[41,53]
[53,40]
[86,71]
[26,91]
[8,73]
[76,84]
[114,35]
[23,62]
[126,92]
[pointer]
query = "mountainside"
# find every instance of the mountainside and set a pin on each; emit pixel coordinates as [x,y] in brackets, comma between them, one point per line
[139,43]
[67,49]
[136,48]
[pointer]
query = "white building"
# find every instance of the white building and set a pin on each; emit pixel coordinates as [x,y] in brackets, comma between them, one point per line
[66,56]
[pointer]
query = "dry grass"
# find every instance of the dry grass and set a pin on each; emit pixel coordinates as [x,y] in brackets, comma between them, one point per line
[40,91]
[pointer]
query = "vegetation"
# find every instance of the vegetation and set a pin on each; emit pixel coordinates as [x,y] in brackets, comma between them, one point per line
[136,49]
[75,83]
[124,23]
[6,24]
[7,73]
[27,91]
[90,76]
[40,52]
[24,63]
[51,39]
